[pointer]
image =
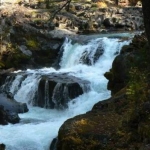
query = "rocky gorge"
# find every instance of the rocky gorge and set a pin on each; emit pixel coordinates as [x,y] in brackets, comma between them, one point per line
[30,39]
[114,123]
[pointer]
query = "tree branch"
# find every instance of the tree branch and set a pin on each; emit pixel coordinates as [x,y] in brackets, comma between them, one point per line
[67,4]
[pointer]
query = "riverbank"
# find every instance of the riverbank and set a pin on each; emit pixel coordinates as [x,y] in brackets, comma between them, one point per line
[30,39]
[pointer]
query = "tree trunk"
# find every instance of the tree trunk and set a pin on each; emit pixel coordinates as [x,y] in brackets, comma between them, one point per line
[146,14]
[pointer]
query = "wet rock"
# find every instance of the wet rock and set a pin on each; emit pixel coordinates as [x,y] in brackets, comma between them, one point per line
[12,117]
[9,109]
[53,144]
[90,58]
[11,105]
[8,117]
[2,146]
[56,90]
[45,93]
[3,119]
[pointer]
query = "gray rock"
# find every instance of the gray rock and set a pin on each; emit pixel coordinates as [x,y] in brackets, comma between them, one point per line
[8,117]
[55,90]
[25,51]
[11,105]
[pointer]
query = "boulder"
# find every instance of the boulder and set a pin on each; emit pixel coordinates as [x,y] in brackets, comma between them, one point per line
[2,146]
[11,105]
[118,75]
[45,93]
[53,144]
[9,109]
[86,56]
[93,130]
[56,90]
[8,117]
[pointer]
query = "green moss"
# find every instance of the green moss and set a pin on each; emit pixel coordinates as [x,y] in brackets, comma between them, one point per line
[32,44]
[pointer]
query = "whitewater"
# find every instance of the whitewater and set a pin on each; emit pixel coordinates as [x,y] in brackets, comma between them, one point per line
[39,126]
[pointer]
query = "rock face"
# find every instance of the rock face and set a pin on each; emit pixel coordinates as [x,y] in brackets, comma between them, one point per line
[118,75]
[56,90]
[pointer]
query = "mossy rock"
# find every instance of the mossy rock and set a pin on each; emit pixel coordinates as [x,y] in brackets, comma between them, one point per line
[93,130]
[32,44]
[11,59]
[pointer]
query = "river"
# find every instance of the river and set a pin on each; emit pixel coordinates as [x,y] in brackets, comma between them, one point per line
[39,126]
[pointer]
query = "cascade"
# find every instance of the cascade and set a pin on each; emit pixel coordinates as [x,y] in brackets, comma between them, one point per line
[76,86]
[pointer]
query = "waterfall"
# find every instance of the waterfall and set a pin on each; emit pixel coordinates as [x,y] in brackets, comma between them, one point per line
[79,83]
[58,94]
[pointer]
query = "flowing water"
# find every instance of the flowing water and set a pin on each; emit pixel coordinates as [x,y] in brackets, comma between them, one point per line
[39,126]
